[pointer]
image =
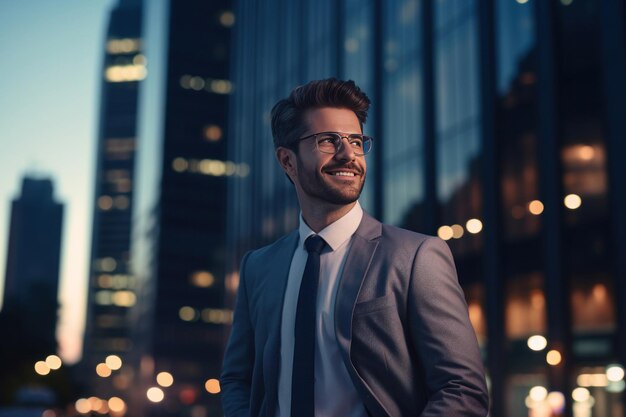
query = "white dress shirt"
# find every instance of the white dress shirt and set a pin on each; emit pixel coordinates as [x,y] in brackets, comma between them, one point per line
[335,395]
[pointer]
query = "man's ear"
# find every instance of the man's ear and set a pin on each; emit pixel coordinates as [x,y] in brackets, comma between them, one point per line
[287,160]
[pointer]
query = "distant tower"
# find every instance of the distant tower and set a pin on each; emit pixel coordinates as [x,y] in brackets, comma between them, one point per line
[30,306]
[179,216]
[110,286]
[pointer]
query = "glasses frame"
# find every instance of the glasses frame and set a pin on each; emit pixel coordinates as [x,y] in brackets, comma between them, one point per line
[341,135]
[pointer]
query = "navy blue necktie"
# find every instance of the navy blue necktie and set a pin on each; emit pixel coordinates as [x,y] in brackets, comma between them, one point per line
[303,377]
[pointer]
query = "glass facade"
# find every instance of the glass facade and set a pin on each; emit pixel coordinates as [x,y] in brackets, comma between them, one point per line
[178,247]
[112,286]
[422,61]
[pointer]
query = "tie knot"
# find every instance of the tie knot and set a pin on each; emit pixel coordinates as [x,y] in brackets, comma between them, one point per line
[314,243]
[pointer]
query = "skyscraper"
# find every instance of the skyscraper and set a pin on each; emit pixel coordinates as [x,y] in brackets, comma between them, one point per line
[111,286]
[29,312]
[178,247]
[495,126]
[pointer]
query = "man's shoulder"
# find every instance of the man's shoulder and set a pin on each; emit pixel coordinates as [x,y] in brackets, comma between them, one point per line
[270,250]
[391,235]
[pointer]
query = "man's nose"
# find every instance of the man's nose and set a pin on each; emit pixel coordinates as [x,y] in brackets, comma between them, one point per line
[345,151]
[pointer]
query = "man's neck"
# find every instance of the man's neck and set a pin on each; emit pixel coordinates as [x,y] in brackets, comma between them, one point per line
[319,216]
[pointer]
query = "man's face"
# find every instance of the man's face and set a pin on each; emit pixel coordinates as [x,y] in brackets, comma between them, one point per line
[325,178]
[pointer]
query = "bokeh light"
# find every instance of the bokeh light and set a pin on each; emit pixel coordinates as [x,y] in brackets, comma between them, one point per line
[537,342]
[445,232]
[113,362]
[614,373]
[538,393]
[474,226]
[54,362]
[116,404]
[581,394]
[212,386]
[553,357]
[165,379]
[572,201]
[535,207]
[103,370]
[42,368]
[83,406]
[155,394]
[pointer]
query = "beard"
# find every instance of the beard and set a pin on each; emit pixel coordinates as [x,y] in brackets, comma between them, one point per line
[321,186]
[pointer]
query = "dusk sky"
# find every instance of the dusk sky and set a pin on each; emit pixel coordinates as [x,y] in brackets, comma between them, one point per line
[49,85]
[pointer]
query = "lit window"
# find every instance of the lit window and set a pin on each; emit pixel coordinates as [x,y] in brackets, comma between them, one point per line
[104,298]
[121,202]
[105,202]
[213,133]
[219,86]
[123,46]
[107,264]
[187,313]
[227,19]
[180,164]
[119,148]
[125,73]
[124,298]
[203,279]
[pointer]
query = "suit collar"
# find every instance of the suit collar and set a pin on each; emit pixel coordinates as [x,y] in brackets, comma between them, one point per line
[281,254]
[364,246]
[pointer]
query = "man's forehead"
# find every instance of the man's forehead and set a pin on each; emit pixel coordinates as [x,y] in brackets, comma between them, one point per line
[332,119]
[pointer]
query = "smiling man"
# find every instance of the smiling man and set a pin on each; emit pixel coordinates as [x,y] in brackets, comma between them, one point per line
[346,316]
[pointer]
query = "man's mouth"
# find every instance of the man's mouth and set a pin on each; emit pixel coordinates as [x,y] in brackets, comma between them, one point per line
[343,171]
[342,174]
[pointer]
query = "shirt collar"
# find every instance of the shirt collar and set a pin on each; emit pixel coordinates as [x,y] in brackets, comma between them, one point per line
[338,232]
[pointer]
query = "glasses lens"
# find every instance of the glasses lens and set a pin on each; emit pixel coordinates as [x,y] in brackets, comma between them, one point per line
[331,142]
[367,144]
[328,142]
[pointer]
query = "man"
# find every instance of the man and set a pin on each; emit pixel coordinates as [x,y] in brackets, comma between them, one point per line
[346,317]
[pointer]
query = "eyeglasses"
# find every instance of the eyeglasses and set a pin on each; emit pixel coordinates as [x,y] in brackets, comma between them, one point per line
[331,142]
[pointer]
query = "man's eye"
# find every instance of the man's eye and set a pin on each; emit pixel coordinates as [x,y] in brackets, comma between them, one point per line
[357,143]
[327,139]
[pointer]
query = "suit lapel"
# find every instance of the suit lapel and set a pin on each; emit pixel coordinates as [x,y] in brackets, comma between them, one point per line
[364,245]
[280,263]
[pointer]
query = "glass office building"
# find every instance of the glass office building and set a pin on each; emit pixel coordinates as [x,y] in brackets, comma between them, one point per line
[178,244]
[111,285]
[498,126]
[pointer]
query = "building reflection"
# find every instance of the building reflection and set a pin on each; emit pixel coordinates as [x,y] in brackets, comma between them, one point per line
[511,169]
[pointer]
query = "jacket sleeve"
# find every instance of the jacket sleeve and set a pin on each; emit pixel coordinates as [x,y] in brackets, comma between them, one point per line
[443,336]
[239,356]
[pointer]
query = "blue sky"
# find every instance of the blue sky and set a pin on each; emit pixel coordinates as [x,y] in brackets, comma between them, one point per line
[51,53]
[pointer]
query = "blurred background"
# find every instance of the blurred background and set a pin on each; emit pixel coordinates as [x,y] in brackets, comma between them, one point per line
[138,167]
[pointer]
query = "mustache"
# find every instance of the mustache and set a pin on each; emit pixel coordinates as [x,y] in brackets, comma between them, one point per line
[350,167]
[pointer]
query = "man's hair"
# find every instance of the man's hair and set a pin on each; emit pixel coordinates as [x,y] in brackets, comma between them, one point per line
[288,114]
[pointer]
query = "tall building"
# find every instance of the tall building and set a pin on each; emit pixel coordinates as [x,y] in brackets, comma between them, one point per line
[178,249]
[496,127]
[28,319]
[111,287]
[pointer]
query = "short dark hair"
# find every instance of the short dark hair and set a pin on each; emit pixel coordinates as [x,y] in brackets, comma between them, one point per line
[288,114]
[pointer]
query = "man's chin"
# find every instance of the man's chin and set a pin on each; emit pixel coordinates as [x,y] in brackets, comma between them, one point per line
[342,198]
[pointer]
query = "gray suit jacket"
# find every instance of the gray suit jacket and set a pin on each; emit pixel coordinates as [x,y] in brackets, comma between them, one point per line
[401,324]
